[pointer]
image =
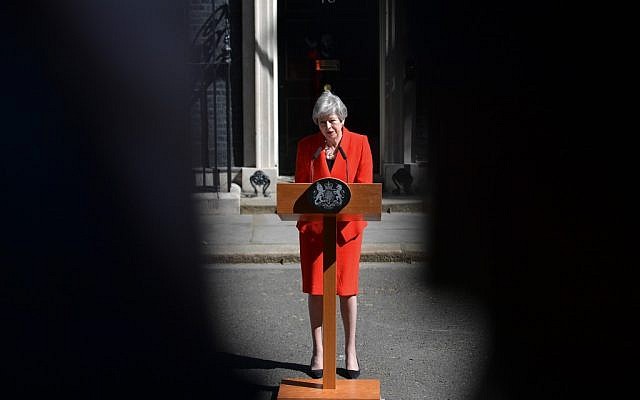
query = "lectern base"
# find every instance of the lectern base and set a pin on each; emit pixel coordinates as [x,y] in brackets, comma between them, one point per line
[360,389]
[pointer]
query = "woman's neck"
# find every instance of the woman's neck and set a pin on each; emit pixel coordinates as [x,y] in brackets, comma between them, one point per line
[332,143]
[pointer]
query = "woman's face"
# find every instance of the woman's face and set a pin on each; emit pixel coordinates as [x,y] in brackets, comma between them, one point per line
[331,128]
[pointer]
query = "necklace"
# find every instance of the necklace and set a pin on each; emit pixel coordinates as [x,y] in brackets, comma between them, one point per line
[329,151]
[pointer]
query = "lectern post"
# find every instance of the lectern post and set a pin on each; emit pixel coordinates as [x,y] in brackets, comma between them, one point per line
[298,201]
[329,302]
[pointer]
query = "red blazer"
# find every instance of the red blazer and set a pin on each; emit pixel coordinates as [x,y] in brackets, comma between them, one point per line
[360,162]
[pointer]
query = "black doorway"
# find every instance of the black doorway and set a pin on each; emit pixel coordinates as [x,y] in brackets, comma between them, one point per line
[327,42]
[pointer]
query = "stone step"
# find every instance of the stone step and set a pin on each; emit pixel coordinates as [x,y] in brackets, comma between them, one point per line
[238,202]
[267,205]
[286,254]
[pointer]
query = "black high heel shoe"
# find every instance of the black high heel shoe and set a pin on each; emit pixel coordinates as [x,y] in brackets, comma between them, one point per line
[353,374]
[315,373]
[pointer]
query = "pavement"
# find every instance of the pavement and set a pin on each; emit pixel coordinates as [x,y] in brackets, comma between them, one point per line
[419,341]
[258,235]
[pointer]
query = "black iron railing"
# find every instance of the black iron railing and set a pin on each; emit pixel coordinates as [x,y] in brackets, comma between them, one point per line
[211,64]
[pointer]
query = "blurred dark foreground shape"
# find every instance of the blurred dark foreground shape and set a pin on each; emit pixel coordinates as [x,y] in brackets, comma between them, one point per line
[106,298]
[104,295]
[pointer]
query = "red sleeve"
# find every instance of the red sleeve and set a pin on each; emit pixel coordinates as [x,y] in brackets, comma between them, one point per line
[302,164]
[364,173]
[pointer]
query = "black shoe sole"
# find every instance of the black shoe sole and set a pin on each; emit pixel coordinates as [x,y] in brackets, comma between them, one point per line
[315,373]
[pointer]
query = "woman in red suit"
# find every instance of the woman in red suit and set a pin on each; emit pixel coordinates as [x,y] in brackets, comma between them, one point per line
[338,153]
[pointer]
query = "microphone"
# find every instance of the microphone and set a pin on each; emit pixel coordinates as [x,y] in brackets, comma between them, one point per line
[342,152]
[315,155]
[345,160]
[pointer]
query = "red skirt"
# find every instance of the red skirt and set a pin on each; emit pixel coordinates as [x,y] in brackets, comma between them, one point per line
[348,264]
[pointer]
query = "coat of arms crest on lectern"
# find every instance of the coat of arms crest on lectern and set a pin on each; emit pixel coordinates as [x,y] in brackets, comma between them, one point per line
[330,194]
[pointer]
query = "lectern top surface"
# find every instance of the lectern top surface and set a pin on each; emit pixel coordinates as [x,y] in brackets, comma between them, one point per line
[295,202]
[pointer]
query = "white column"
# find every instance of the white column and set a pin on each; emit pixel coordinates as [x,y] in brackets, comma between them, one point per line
[266,81]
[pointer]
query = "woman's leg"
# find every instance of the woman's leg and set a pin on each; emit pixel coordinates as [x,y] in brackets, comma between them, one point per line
[315,318]
[349,312]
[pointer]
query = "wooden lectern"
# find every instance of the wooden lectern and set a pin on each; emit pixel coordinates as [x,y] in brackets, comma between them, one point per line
[318,201]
